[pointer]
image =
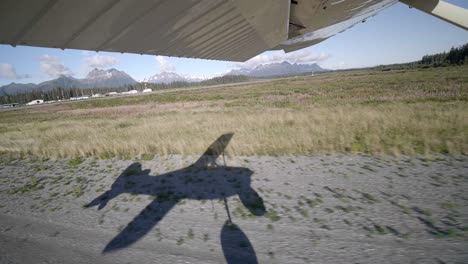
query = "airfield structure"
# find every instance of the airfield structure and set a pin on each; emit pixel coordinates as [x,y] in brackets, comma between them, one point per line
[35,102]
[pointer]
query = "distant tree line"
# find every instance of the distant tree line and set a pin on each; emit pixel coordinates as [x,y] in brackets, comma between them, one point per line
[213,81]
[60,93]
[456,56]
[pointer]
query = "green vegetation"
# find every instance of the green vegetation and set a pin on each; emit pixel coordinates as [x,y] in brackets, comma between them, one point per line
[31,186]
[451,232]
[190,234]
[449,205]
[456,56]
[146,156]
[272,215]
[75,162]
[422,211]
[415,112]
[60,93]
[41,167]
[77,191]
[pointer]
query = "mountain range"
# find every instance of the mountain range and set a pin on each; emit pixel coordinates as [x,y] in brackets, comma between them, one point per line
[116,78]
[277,69]
[170,77]
[95,78]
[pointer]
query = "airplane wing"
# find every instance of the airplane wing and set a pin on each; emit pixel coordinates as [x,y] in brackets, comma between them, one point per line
[233,30]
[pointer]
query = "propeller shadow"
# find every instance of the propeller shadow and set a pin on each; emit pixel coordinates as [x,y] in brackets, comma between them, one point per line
[205,179]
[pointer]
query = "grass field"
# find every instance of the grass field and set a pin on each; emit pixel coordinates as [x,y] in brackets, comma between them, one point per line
[415,112]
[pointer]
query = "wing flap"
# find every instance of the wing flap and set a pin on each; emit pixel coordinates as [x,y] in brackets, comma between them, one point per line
[329,17]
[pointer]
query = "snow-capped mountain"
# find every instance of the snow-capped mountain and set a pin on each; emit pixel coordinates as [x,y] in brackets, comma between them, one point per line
[170,77]
[190,78]
[107,78]
[95,78]
[277,69]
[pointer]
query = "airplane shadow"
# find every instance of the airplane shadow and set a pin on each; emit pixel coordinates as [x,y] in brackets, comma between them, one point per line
[203,180]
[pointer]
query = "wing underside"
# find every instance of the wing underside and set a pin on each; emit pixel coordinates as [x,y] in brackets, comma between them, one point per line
[233,30]
[211,29]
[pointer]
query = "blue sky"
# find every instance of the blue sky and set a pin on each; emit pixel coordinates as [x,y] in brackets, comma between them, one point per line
[397,34]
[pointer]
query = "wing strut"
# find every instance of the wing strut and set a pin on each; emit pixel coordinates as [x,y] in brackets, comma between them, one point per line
[443,10]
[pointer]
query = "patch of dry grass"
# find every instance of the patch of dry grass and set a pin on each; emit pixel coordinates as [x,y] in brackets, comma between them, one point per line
[412,112]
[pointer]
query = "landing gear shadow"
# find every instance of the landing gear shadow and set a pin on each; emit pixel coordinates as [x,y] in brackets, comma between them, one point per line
[236,246]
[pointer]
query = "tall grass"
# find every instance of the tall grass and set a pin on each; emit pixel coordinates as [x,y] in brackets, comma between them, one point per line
[415,112]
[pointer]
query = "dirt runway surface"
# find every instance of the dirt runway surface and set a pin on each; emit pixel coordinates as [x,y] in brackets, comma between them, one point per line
[298,209]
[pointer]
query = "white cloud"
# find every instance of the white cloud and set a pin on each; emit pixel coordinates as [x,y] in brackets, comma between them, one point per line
[165,65]
[341,65]
[300,57]
[53,67]
[8,71]
[99,61]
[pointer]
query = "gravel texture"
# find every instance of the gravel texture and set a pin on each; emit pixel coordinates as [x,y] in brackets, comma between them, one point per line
[298,209]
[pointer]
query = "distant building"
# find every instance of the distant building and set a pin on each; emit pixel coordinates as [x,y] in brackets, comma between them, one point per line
[79,98]
[96,95]
[147,90]
[34,102]
[9,105]
[130,92]
[112,93]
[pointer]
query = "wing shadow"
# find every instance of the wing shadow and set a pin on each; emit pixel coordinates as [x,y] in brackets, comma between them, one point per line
[206,179]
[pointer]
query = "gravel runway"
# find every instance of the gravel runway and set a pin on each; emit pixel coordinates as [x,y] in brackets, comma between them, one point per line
[302,209]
